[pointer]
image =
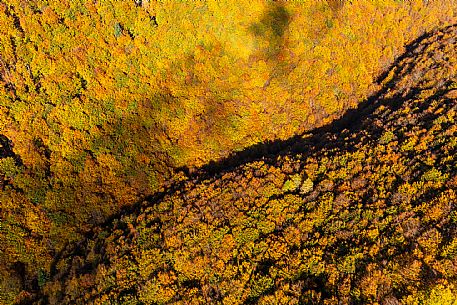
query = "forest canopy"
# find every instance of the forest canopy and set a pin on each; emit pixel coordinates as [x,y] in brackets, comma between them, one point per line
[361,211]
[103,103]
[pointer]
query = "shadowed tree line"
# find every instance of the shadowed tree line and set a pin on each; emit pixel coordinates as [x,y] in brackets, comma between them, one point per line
[365,201]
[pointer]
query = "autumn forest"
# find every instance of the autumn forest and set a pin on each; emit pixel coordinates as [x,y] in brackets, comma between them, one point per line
[228,152]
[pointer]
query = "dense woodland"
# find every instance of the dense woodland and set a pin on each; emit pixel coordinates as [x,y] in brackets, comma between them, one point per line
[189,152]
[361,211]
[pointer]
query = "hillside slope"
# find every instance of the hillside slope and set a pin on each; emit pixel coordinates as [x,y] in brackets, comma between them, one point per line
[359,211]
[101,101]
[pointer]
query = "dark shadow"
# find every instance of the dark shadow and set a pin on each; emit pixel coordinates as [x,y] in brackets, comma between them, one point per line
[272,27]
[355,126]
[273,23]
[335,5]
[6,150]
[319,137]
[353,123]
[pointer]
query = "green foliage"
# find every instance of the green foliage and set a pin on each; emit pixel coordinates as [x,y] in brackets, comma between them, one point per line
[292,184]
[42,277]
[117,29]
[387,137]
[260,286]
[434,175]
[8,167]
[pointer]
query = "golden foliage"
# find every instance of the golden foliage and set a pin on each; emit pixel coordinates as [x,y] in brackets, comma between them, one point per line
[102,100]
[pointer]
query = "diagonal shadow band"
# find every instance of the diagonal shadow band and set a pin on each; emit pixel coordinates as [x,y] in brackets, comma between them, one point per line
[359,122]
[350,120]
[307,143]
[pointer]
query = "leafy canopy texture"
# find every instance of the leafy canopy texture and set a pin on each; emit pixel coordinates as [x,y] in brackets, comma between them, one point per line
[102,103]
[361,211]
